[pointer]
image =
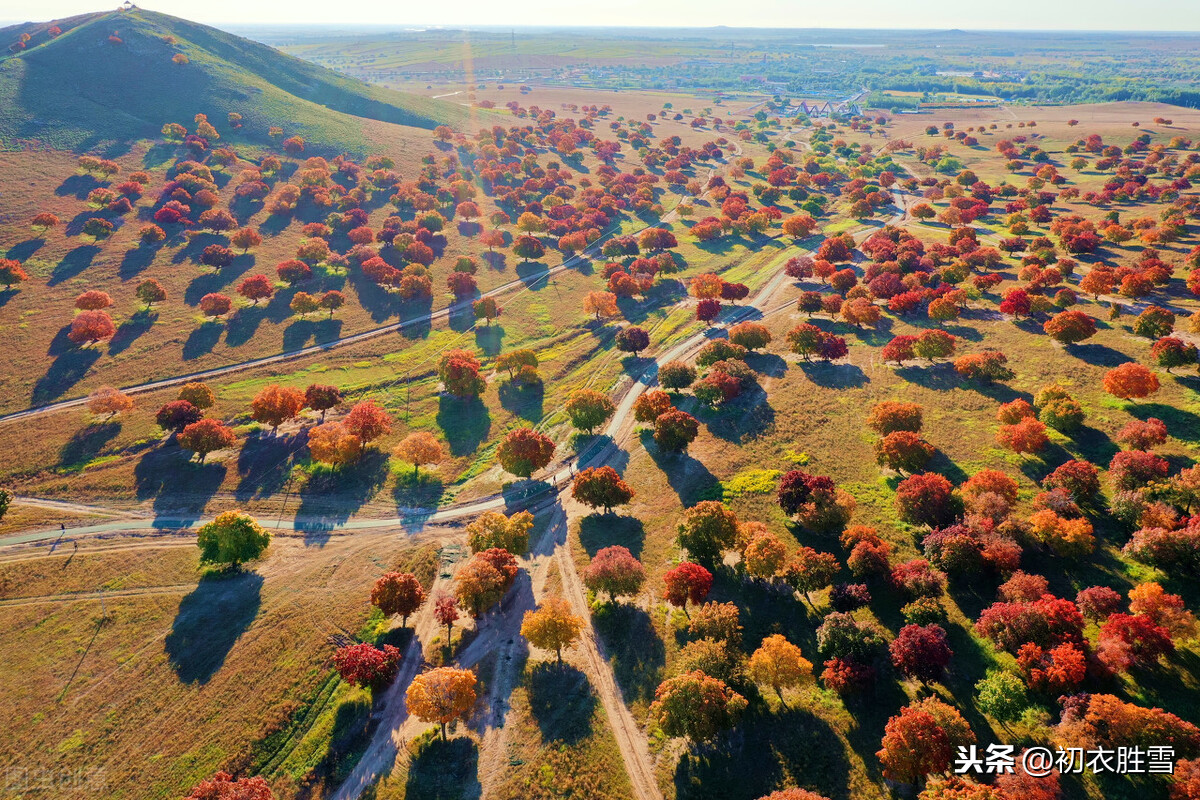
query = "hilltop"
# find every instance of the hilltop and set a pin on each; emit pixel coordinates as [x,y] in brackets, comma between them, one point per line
[110,78]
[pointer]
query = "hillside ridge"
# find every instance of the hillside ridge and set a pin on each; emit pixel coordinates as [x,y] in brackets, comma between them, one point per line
[111,78]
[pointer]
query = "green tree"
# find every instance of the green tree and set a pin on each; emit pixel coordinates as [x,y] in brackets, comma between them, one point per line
[588,408]
[493,529]
[708,528]
[695,706]
[1001,695]
[232,538]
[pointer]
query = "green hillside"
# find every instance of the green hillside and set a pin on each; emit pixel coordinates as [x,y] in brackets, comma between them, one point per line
[110,78]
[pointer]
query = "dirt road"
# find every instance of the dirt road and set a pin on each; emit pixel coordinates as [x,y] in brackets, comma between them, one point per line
[630,741]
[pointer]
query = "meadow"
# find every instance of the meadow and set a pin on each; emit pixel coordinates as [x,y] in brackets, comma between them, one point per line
[617,232]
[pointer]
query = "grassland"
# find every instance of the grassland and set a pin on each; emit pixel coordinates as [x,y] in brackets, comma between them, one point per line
[232,671]
[814,414]
[74,92]
[111,646]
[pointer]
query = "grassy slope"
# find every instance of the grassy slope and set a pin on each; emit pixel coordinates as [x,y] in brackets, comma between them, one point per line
[818,410]
[190,672]
[79,91]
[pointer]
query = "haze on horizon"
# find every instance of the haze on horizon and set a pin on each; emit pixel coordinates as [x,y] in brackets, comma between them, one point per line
[1095,15]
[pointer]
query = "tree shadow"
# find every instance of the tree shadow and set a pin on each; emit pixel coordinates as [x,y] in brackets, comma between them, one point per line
[460,317]
[77,186]
[523,399]
[1093,444]
[562,702]
[297,335]
[634,366]
[533,274]
[265,464]
[270,227]
[719,769]
[279,307]
[61,343]
[834,376]
[633,649]
[633,311]
[243,324]
[129,331]
[86,444]
[135,260]
[944,466]
[196,243]
[331,496]
[416,314]
[464,422]
[443,770]
[375,300]
[209,622]
[972,592]
[524,493]
[690,479]
[936,377]
[179,486]
[66,371]
[417,491]
[497,261]
[21,251]
[350,733]
[597,531]
[876,336]
[1098,355]
[202,284]
[489,339]
[767,364]
[749,417]
[74,262]
[202,340]
[1037,467]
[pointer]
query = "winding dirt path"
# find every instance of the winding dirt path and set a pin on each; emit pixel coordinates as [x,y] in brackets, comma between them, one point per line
[380,754]
[517,284]
[500,629]
[627,391]
[630,740]
[495,630]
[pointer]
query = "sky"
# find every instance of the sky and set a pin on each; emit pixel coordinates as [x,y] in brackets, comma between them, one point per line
[1155,15]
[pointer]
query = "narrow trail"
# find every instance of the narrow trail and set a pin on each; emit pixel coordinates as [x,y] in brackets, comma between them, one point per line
[626,393]
[633,746]
[510,650]
[395,727]
[116,594]
[83,509]
[380,754]
[499,633]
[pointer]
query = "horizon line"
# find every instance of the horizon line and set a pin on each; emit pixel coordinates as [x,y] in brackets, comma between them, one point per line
[342,25]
